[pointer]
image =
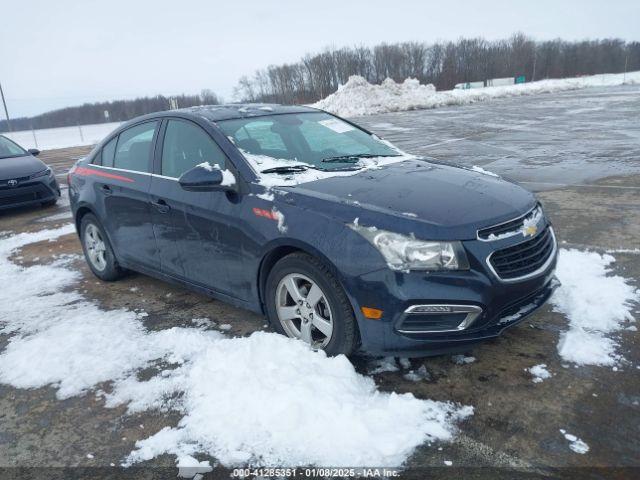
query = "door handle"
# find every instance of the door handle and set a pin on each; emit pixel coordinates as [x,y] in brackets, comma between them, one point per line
[106,189]
[161,206]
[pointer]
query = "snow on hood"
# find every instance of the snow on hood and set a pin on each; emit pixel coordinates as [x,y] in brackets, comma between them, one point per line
[358,97]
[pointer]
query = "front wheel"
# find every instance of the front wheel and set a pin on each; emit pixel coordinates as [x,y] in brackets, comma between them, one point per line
[305,301]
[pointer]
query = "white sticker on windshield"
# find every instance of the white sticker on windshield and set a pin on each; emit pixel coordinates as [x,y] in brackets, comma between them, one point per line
[336,125]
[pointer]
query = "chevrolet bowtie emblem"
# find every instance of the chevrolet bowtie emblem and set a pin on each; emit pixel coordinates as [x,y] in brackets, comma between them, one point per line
[530,231]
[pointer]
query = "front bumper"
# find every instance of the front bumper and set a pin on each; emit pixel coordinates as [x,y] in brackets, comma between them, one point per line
[439,312]
[29,192]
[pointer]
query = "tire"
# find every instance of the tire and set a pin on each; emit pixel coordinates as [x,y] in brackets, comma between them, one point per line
[306,271]
[91,232]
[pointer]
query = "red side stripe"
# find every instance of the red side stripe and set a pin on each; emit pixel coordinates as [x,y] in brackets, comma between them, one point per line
[260,212]
[86,172]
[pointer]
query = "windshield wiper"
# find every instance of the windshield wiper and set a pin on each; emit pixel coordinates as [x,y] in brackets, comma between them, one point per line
[286,169]
[353,158]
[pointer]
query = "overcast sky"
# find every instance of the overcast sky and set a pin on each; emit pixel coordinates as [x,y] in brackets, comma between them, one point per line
[63,52]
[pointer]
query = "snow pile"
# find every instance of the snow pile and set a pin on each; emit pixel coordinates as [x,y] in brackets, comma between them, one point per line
[575,443]
[596,303]
[264,399]
[245,400]
[539,373]
[359,97]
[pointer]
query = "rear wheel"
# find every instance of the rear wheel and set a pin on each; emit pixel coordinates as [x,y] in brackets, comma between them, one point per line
[97,250]
[305,301]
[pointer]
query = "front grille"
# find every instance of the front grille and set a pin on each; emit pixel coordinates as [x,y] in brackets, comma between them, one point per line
[4,183]
[525,258]
[24,194]
[510,228]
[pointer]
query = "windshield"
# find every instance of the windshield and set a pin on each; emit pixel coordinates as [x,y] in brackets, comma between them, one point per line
[318,140]
[10,149]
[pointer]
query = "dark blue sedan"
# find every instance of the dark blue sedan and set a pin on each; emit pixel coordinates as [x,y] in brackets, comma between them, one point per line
[338,237]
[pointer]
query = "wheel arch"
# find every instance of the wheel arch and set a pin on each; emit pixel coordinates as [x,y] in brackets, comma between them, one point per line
[80,213]
[279,251]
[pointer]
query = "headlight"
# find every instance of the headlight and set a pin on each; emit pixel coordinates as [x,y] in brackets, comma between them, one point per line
[41,173]
[403,252]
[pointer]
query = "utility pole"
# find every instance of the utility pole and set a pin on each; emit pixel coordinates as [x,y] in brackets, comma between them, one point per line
[6,112]
[626,62]
[535,59]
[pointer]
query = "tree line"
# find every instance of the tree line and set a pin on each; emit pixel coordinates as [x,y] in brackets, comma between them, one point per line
[443,64]
[118,111]
[315,76]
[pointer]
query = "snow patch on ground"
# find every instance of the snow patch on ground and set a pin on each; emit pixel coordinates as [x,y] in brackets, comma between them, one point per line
[462,359]
[418,375]
[597,304]
[62,137]
[242,400]
[539,373]
[56,217]
[575,443]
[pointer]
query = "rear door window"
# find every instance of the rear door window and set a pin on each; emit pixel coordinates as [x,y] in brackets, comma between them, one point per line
[133,150]
[187,145]
[106,156]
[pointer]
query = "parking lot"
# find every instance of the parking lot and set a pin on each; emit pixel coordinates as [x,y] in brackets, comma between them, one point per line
[580,151]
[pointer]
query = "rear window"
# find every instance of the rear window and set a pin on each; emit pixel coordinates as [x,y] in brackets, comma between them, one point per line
[133,149]
[106,156]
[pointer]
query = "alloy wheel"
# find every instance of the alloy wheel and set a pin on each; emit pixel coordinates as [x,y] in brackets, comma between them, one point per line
[95,246]
[303,310]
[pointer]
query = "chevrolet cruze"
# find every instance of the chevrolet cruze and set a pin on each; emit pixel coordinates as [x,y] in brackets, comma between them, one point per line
[24,180]
[342,240]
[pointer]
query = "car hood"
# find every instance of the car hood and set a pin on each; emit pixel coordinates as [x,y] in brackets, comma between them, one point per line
[430,200]
[16,167]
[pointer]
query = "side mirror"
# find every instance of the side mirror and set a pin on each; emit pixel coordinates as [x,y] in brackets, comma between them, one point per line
[207,178]
[34,151]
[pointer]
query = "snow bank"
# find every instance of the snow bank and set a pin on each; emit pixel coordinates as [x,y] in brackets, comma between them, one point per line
[242,400]
[596,303]
[358,97]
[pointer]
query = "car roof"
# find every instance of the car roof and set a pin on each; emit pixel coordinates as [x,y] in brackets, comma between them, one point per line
[215,113]
[232,111]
